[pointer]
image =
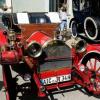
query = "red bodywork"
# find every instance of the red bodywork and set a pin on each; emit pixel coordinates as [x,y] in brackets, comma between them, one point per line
[62,77]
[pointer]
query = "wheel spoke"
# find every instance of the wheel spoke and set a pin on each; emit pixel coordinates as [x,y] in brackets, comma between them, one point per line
[91,66]
[98,70]
[95,63]
[88,65]
[97,84]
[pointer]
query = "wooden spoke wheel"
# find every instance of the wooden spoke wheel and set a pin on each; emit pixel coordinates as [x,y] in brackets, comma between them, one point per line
[8,83]
[92,70]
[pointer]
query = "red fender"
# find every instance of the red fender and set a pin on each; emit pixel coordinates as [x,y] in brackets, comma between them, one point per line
[3,38]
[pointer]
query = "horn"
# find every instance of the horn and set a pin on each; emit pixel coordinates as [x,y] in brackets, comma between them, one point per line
[80,45]
[34,49]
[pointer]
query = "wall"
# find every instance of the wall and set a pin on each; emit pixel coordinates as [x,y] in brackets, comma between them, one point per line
[8,4]
[30,5]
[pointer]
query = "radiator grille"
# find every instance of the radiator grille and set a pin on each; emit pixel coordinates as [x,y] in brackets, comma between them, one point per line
[55,55]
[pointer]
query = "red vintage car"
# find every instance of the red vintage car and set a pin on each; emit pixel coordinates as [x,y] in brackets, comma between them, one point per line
[45,62]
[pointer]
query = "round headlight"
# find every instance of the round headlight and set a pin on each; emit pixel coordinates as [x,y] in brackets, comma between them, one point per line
[81,46]
[34,49]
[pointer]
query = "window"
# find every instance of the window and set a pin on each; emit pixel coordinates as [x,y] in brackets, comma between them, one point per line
[38,18]
[84,4]
[75,5]
[52,5]
[2,2]
[55,4]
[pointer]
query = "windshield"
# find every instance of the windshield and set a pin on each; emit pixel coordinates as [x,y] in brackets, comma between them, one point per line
[81,5]
[29,18]
[91,6]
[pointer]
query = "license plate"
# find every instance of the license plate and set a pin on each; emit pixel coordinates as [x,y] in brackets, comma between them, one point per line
[52,80]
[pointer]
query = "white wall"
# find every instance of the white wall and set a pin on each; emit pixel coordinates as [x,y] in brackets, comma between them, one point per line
[69,12]
[8,4]
[27,5]
[31,5]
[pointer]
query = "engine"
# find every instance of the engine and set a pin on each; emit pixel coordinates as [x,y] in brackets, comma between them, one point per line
[10,50]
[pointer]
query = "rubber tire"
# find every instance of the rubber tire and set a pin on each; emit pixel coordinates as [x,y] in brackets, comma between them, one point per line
[95,23]
[34,88]
[8,83]
[74,29]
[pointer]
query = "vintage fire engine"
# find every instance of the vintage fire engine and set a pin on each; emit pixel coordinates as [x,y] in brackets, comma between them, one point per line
[31,51]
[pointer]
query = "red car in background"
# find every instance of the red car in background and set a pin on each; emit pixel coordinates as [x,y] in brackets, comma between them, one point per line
[45,62]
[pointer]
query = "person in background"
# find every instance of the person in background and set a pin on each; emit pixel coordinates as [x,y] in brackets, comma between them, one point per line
[63,18]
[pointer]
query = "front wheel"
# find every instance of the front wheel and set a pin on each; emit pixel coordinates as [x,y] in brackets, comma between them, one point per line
[8,83]
[92,70]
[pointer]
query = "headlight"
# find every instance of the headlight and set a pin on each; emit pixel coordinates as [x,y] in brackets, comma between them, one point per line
[81,46]
[34,49]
